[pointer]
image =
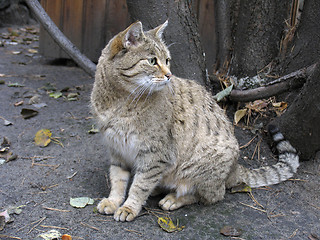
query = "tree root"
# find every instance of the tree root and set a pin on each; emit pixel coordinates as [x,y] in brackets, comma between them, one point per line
[290,81]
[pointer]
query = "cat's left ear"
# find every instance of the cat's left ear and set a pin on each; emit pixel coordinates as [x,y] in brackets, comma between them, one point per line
[133,35]
[158,31]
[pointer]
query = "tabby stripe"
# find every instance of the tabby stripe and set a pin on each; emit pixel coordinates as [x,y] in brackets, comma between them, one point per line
[142,189]
[132,66]
[276,171]
[288,165]
[129,76]
[153,176]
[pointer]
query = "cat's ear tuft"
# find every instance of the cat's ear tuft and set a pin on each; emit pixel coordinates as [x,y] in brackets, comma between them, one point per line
[134,34]
[158,31]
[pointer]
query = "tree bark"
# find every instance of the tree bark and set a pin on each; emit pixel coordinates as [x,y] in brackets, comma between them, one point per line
[181,34]
[257,35]
[305,48]
[300,123]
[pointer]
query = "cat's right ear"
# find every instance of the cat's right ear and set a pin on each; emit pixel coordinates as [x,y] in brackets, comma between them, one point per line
[133,35]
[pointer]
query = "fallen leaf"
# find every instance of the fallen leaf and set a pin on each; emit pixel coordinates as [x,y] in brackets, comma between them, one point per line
[39,105]
[66,237]
[32,50]
[2,222]
[81,202]
[280,106]
[93,130]
[72,96]
[4,218]
[15,85]
[226,92]
[239,115]
[28,113]
[15,209]
[16,52]
[241,188]
[230,231]
[6,122]
[5,153]
[55,94]
[43,137]
[167,225]
[50,235]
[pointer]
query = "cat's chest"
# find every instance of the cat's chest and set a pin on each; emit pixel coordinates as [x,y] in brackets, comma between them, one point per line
[123,141]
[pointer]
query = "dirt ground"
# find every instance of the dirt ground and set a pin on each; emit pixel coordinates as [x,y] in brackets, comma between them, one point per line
[41,180]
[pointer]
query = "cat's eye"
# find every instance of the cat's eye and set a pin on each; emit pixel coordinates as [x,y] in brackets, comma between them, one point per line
[153,61]
[167,61]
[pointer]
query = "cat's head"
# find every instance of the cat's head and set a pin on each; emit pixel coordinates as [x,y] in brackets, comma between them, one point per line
[140,60]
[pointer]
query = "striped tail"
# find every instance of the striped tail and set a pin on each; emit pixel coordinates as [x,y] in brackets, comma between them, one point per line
[285,168]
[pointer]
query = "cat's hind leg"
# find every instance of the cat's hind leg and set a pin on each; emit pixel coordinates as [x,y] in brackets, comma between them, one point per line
[172,202]
[119,179]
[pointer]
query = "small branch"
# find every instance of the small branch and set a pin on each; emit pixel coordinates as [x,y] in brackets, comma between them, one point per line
[280,85]
[85,63]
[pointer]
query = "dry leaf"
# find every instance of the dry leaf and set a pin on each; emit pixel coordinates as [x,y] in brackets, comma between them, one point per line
[43,137]
[81,202]
[239,115]
[280,106]
[28,113]
[230,231]
[66,237]
[241,188]
[32,50]
[167,224]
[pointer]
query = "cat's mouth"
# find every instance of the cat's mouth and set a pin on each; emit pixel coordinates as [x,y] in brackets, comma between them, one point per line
[161,81]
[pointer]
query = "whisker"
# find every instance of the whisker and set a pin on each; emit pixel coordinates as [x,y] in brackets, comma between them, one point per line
[142,92]
[171,88]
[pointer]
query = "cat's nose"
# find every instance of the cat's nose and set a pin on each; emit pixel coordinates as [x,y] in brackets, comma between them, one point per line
[168,75]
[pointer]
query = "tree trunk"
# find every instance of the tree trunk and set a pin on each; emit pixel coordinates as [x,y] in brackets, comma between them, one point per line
[305,48]
[257,35]
[181,34]
[300,123]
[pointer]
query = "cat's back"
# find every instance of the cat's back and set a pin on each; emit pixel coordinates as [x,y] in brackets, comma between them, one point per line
[199,123]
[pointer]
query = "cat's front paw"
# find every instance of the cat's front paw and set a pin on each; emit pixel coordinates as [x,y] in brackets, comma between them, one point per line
[125,214]
[107,206]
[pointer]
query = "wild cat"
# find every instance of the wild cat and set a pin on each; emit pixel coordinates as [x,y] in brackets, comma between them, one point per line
[167,132]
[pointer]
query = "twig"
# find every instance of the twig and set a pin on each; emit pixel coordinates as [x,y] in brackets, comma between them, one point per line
[252,197]
[55,209]
[62,228]
[253,207]
[70,177]
[257,148]
[294,233]
[40,221]
[297,179]
[133,231]
[248,143]
[6,236]
[314,206]
[89,226]
[27,225]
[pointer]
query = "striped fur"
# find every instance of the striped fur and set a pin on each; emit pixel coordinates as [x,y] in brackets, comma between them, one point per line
[167,132]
